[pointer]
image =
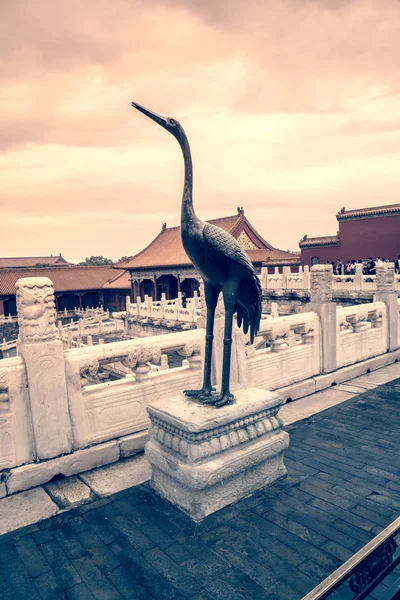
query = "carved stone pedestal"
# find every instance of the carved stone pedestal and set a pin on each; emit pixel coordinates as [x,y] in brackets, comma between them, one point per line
[204,458]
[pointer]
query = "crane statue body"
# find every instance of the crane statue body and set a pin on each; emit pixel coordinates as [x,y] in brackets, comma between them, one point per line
[224,266]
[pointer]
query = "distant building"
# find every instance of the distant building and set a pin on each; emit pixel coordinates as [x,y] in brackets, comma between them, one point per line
[20,262]
[363,232]
[79,287]
[164,267]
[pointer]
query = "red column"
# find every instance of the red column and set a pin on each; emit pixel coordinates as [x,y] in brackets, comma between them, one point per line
[155,289]
[139,288]
[179,282]
[80,300]
[1,307]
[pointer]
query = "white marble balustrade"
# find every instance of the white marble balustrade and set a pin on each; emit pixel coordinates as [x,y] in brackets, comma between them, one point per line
[287,280]
[94,411]
[361,332]
[169,311]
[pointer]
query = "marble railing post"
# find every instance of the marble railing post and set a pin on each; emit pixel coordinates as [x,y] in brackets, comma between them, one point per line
[358,277]
[43,355]
[285,272]
[196,299]
[386,292]
[321,277]
[274,309]
[306,277]
[264,275]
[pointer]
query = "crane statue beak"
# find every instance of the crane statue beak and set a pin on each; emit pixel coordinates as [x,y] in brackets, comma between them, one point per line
[160,120]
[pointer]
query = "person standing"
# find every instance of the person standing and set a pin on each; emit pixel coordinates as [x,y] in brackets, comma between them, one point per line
[397,265]
[183,297]
[372,265]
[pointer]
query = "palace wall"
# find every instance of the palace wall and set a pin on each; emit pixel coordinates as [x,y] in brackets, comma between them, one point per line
[360,238]
[370,236]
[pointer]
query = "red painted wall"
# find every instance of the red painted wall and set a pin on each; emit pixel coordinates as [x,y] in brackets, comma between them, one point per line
[372,236]
[360,238]
[325,254]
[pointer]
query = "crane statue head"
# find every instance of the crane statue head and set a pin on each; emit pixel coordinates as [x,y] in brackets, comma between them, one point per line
[171,125]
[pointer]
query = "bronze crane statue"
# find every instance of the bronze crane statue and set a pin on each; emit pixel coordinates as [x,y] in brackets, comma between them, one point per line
[224,266]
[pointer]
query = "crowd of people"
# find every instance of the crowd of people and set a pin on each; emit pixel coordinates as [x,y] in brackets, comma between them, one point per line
[369,265]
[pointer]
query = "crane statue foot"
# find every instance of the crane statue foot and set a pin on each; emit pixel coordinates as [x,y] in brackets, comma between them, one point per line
[220,400]
[210,396]
[203,394]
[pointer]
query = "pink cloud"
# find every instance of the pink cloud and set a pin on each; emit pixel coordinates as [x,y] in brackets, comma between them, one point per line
[291,108]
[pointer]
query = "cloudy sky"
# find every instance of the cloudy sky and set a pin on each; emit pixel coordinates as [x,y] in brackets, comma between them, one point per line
[291,108]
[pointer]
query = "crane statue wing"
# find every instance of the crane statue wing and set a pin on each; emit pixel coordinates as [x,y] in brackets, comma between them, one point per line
[223,242]
[249,297]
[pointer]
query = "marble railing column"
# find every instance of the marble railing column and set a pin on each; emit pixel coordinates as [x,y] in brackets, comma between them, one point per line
[285,272]
[358,277]
[321,277]
[306,277]
[43,354]
[386,292]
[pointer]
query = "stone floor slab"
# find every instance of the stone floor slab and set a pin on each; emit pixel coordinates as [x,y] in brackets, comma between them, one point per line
[363,382]
[378,377]
[280,542]
[69,492]
[310,405]
[25,508]
[353,388]
[114,478]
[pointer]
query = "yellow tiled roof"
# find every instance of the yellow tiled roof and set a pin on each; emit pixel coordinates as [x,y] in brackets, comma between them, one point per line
[67,279]
[31,261]
[166,250]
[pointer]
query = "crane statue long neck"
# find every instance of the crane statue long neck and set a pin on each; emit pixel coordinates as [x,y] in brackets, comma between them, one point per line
[187,210]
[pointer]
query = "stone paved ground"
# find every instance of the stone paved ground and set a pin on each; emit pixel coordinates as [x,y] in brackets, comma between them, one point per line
[343,488]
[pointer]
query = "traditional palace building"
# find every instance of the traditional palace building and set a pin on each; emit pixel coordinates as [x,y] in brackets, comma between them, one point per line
[164,267]
[363,232]
[21,262]
[74,286]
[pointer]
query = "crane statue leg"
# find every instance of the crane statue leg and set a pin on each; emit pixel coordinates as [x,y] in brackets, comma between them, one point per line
[211,296]
[230,292]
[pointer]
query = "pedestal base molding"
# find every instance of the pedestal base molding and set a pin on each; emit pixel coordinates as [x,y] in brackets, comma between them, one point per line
[204,458]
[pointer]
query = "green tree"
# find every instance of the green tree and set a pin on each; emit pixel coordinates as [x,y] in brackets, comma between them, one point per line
[96,261]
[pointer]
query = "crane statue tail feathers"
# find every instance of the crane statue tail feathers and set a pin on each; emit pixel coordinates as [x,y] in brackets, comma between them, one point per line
[249,307]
